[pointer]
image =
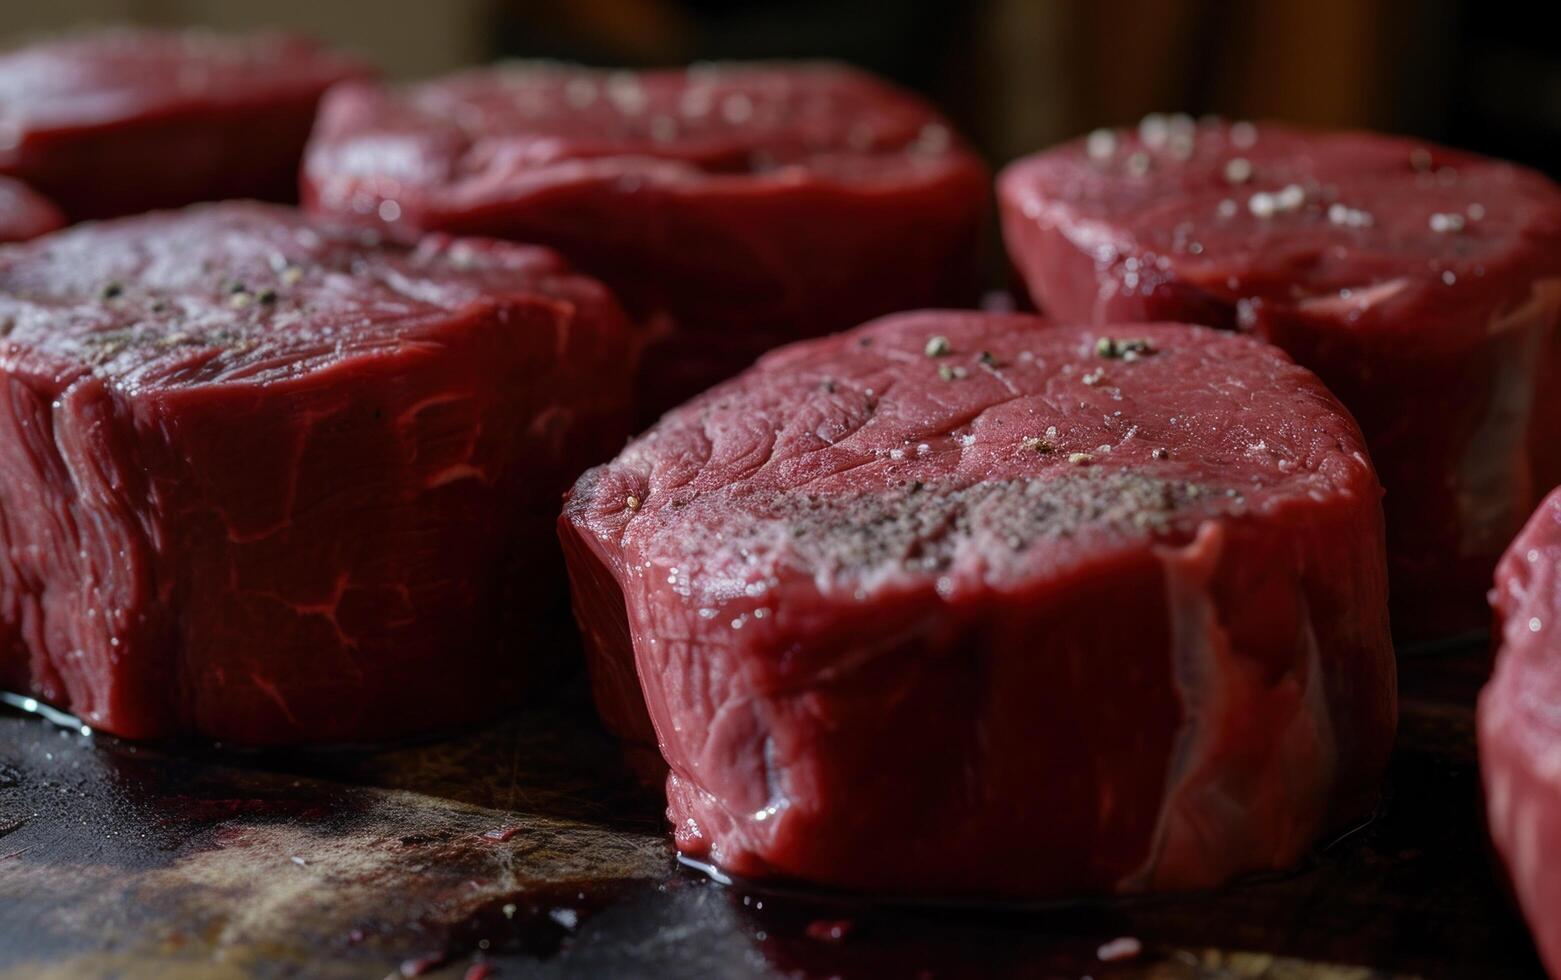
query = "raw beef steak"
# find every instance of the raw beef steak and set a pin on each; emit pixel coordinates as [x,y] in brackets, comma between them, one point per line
[1520,725]
[126,121]
[24,213]
[1422,284]
[737,206]
[963,603]
[266,483]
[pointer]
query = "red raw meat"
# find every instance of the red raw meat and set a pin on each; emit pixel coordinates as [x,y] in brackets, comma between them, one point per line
[899,597]
[126,121]
[1422,284]
[265,482]
[737,206]
[1520,725]
[24,213]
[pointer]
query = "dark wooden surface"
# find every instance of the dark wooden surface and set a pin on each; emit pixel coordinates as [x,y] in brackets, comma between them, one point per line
[524,846]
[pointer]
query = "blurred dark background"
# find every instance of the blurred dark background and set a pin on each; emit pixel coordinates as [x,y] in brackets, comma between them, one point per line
[1015,74]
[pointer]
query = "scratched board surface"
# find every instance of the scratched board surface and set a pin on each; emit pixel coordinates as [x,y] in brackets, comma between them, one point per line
[523,850]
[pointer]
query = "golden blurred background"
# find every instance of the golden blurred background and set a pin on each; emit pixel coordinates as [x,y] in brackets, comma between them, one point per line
[1016,74]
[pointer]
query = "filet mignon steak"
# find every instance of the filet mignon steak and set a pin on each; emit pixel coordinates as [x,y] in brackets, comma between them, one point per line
[124,121]
[737,206]
[1422,284]
[964,603]
[1520,725]
[24,213]
[265,482]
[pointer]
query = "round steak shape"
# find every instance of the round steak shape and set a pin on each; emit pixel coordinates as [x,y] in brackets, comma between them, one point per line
[736,206]
[1421,283]
[974,604]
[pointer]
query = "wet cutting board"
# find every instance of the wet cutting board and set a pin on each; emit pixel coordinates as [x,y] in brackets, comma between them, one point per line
[524,847]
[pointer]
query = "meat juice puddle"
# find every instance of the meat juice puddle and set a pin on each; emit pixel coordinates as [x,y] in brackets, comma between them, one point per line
[536,924]
[784,890]
[818,932]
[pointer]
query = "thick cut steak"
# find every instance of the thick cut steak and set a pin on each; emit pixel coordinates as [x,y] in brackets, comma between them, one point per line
[1520,725]
[1422,284]
[126,121]
[738,207]
[265,482]
[963,603]
[24,213]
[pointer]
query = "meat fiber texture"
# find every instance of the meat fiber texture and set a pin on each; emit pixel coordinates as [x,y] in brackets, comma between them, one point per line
[1421,283]
[267,483]
[969,604]
[24,213]
[1520,725]
[125,121]
[736,207]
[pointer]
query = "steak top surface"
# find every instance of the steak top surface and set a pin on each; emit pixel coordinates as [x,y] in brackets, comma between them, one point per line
[520,128]
[111,78]
[247,292]
[967,450]
[1350,226]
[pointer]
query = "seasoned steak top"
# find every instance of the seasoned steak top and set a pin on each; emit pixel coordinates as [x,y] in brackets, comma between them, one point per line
[1332,223]
[968,449]
[252,292]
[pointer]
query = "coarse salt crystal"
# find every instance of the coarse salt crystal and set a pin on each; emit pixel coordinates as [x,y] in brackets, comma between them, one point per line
[1154,129]
[1101,145]
[1121,948]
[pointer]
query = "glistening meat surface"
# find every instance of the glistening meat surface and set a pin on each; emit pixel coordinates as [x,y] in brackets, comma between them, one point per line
[737,207]
[1520,725]
[958,603]
[1422,284]
[265,482]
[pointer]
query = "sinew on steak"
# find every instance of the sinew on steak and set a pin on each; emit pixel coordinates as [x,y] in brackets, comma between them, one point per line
[24,213]
[738,206]
[1520,725]
[123,121]
[963,603]
[267,483]
[1421,283]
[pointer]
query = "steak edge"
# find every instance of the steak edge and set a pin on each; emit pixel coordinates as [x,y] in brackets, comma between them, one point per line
[1520,728]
